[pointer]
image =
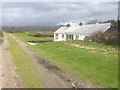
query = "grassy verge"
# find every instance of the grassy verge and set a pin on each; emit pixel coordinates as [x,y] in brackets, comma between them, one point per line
[0,38]
[98,67]
[24,65]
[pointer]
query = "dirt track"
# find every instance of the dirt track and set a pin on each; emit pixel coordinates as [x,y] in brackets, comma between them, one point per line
[49,79]
[0,65]
[8,75]
[51,75]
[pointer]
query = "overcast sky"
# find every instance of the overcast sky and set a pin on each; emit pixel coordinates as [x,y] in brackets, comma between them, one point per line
[49,13]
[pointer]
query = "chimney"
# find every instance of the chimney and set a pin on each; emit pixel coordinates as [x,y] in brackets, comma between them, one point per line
[68,25]
[80,24]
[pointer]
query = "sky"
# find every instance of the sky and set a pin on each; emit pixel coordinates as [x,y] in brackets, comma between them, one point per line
[54,13]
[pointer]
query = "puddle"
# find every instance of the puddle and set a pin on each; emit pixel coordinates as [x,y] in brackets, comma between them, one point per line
[32,43]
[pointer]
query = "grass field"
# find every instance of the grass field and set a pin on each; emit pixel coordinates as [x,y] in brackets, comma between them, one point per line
[24,65]
[28,38]
[101,68]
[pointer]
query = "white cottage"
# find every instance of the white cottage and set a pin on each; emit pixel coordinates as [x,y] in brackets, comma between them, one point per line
[78,32]
[59,35]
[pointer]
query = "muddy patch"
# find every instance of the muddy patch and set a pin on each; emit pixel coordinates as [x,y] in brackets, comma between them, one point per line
[49,65]
[68,77]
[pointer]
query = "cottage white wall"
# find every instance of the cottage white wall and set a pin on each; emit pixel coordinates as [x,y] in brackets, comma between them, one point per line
[81,37]
[54,37]
[59,37]
[74,37]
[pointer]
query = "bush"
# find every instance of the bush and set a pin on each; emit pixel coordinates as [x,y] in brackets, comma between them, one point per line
[110,38]
[95,37]
[43,34]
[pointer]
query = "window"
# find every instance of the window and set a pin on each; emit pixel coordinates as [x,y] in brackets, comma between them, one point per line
[69,37]
[62,35]
[77,37]
[56,36]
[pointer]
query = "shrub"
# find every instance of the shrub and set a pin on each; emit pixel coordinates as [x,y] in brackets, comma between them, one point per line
[43,34]
[95,37]
[110,38]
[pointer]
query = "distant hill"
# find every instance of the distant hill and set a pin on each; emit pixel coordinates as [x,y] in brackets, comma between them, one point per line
[29,28]
[114,26]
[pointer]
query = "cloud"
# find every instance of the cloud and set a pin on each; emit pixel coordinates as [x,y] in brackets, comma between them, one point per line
[48,13]
[60,0]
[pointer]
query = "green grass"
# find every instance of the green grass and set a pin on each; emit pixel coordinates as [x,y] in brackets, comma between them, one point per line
[24,65]
[30,38]
[0,38]
[93,44]
[98,67]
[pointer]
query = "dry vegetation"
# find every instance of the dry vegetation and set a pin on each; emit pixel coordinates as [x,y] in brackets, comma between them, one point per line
[110,38]
[43,34]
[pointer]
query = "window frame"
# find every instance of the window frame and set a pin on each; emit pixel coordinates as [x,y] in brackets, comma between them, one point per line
[63,36]
[56,36]
[77,37]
